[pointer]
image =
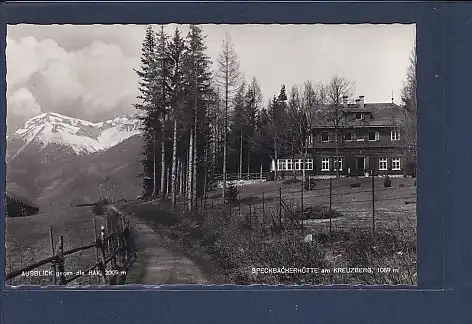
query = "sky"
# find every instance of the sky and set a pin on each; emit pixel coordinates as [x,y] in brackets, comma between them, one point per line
[88,71]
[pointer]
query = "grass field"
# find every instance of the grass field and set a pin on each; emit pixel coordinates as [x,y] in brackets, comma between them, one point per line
[28,241]
[394,207]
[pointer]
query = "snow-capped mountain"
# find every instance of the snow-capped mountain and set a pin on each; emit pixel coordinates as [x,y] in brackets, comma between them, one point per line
[82,137]
[56,158]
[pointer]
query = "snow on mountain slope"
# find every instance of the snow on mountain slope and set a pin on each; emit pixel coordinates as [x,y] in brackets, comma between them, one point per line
[83,137]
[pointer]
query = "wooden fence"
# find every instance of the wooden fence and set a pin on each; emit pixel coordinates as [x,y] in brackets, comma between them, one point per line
[243,176]
[114,254]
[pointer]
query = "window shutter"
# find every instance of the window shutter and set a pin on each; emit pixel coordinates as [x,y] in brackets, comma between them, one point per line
[377,136]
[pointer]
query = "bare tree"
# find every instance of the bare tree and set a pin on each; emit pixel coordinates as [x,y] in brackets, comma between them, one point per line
[408,97]
[336,89]
[229,77]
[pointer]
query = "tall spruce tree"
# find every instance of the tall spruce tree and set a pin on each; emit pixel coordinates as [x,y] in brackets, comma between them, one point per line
[163,78]
[148,103]
[197,82]
[176,52]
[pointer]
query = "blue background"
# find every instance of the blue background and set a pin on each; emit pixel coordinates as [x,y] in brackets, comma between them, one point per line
[444,50]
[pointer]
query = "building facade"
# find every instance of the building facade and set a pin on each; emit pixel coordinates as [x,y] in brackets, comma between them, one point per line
[365,138]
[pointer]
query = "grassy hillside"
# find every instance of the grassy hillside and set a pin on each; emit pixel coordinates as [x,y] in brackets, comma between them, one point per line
[82,179]
[27,241]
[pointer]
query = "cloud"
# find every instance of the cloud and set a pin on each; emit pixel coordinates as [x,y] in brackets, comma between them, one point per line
[87,71]
[23,106]
[86,83]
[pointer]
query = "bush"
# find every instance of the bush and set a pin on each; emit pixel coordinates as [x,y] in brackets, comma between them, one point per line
[318,212]
[270,176]
[232,193]
[387,182]
[290,181]
[99,207]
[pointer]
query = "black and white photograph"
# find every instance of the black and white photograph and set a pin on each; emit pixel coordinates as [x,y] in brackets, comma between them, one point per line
[213,154]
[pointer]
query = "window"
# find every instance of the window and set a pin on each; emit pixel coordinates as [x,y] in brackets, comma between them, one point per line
[360,137]
[280,164]
[348,136]
[358,116]
[309,164]
[289,164]
[395,135]
[324,137]
[325,164]
[396,164]
[309,140]
[373,136]
[382,164]
[298,164]
[284,164]
[340,162]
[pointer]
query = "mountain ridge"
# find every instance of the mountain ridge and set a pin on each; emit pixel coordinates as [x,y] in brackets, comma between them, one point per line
[82,136]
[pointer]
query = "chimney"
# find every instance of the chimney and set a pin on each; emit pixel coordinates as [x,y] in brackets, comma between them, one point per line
[345,101]
[361,101]
[357,101]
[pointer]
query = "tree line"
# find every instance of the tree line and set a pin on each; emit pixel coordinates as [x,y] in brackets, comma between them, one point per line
[201,118]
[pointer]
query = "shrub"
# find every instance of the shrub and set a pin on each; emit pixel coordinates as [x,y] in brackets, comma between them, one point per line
[318,212]
[232,193]
[99,207]
[270,176]
[290,181]
[387,182]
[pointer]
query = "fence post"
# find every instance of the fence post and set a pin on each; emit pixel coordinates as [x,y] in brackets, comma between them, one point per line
[102,246]
[53,253]
[250,212]
[95,237]
[303,191]
[330,193]
[330,207]
[373,201]
[280,207]
[62,280]
[263,211]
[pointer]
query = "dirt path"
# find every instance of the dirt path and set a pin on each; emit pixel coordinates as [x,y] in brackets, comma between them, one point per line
[157,264]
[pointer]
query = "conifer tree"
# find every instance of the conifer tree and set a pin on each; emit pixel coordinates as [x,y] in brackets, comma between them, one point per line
[176,51]
[148,103]
[197,83]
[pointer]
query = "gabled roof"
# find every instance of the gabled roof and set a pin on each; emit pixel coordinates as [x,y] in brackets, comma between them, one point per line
[383,114]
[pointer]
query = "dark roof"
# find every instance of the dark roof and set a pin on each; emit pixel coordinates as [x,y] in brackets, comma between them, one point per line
[383,114]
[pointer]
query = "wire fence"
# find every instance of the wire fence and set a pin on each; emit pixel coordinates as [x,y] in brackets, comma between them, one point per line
[327,206]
